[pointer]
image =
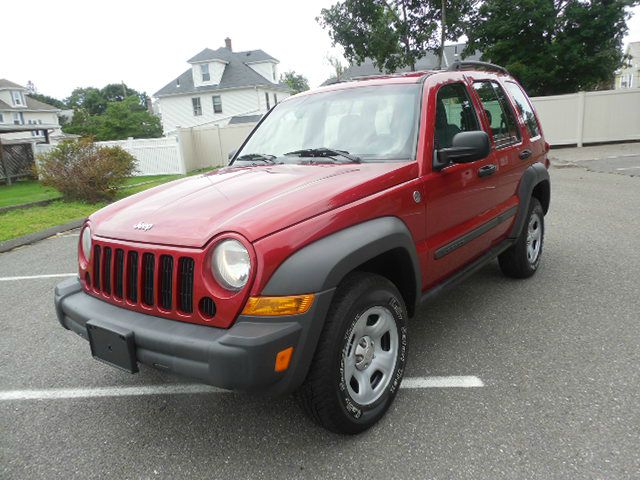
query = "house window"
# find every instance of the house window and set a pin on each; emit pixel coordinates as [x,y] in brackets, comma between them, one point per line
[1,118]
[204,69]
[18,118]
[275,98]
[197,106]
[18,98]
[266,97]
[217,104]
[273,72]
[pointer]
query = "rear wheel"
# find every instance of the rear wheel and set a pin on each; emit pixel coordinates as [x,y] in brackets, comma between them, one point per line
[361,356]
[522,259]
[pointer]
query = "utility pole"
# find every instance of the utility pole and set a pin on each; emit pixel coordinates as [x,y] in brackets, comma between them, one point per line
[443,26]
[124,90]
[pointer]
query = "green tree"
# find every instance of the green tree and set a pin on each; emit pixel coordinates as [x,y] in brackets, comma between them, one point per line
[48,100]
[296,82]
[394,33]
[89,99]
[553,46]
[120,120]
[117,92]
[128,119]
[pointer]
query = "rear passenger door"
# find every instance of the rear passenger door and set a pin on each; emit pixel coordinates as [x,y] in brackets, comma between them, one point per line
[501,122]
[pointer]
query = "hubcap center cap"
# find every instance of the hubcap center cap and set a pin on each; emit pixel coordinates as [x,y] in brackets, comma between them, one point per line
[364,352]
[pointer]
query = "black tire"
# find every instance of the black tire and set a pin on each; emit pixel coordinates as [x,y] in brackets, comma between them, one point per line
[324,395]
[517,261]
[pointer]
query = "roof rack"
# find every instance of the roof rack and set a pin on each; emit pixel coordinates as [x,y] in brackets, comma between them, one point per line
[471,64]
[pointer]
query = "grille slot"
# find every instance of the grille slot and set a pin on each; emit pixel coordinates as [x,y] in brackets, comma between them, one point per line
[118,273]
[132,276]
[96,267]
[106,271]
[165,279]
[185,284]
[148,268]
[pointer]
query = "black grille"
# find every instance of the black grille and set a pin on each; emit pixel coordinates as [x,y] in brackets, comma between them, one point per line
[185,284]
[118,272]
[148,269]
[96,267]
[165,279]
[106,271]
[132,276]
[135,276]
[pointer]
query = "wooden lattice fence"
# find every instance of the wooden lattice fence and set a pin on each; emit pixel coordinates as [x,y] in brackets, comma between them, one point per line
[16,161]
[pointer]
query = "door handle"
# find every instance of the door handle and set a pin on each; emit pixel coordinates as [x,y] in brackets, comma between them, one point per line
[487,170]
[524,154]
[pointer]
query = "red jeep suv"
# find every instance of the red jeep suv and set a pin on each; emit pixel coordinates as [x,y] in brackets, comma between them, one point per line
[296,268]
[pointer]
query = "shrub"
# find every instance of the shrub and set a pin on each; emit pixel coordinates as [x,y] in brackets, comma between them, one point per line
[81,170]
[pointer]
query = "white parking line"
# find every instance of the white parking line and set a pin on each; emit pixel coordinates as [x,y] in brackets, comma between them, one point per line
[34,277]
[442,382]
[67,393]
[627,168]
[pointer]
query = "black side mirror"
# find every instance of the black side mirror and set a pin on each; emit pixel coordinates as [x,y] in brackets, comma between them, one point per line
[465,147]
[232,153]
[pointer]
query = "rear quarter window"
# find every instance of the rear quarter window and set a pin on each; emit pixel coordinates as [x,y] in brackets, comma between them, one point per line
[524,108]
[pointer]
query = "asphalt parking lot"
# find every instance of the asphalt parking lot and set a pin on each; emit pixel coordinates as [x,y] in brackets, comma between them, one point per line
[558,356]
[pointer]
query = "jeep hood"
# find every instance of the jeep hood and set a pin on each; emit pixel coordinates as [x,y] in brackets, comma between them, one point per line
[253,201]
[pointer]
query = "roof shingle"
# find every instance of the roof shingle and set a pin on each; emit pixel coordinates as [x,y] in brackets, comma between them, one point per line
[236,73]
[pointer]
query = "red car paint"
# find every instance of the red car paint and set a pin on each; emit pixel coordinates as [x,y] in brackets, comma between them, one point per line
[275,210]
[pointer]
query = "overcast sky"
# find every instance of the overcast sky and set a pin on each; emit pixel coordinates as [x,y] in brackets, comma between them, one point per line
[64,44]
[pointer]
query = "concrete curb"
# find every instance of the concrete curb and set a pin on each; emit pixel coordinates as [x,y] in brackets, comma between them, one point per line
[40,203]
[41,235]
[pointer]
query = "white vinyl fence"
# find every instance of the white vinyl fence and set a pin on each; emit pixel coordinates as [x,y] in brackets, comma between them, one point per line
[191,149]
[154,156]
[590,117]
[210,146]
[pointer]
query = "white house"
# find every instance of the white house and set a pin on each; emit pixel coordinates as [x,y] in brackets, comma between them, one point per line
[221,86]
[19,112]
[629,75]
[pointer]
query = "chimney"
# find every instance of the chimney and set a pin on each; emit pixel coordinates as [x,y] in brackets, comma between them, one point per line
[227,44]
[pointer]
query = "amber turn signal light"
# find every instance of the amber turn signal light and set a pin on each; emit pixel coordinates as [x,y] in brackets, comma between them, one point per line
[275,306]
[282,359]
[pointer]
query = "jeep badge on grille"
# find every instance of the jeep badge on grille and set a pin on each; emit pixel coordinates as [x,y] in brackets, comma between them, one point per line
[143,226]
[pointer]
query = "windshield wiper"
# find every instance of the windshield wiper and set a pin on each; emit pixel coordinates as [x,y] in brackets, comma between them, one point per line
[253,157]
[325,153]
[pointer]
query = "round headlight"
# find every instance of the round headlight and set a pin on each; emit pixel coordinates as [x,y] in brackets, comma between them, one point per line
[85,243]
[230,264]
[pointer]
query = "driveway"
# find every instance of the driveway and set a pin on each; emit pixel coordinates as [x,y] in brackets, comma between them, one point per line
[532,379]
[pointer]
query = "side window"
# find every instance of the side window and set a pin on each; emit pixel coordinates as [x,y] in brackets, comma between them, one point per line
[504,127]
[524,109]
[454,114]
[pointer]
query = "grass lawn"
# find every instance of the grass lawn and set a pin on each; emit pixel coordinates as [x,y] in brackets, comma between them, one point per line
[17,223]
[25,191]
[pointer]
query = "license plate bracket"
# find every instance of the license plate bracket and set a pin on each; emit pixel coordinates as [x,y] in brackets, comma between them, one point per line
[112,345]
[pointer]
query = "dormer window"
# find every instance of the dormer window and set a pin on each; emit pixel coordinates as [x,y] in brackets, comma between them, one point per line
[204,69]
[18,98]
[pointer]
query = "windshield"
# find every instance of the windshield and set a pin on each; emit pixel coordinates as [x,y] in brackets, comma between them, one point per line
[371,123]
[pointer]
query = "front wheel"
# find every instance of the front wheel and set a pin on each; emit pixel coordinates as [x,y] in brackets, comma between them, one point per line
[361,356]
[522,259]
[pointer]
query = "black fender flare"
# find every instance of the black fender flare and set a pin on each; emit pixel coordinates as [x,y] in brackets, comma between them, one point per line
[322,264]
[534,175]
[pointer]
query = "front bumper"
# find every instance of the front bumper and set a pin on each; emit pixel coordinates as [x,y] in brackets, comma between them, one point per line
[239,358]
